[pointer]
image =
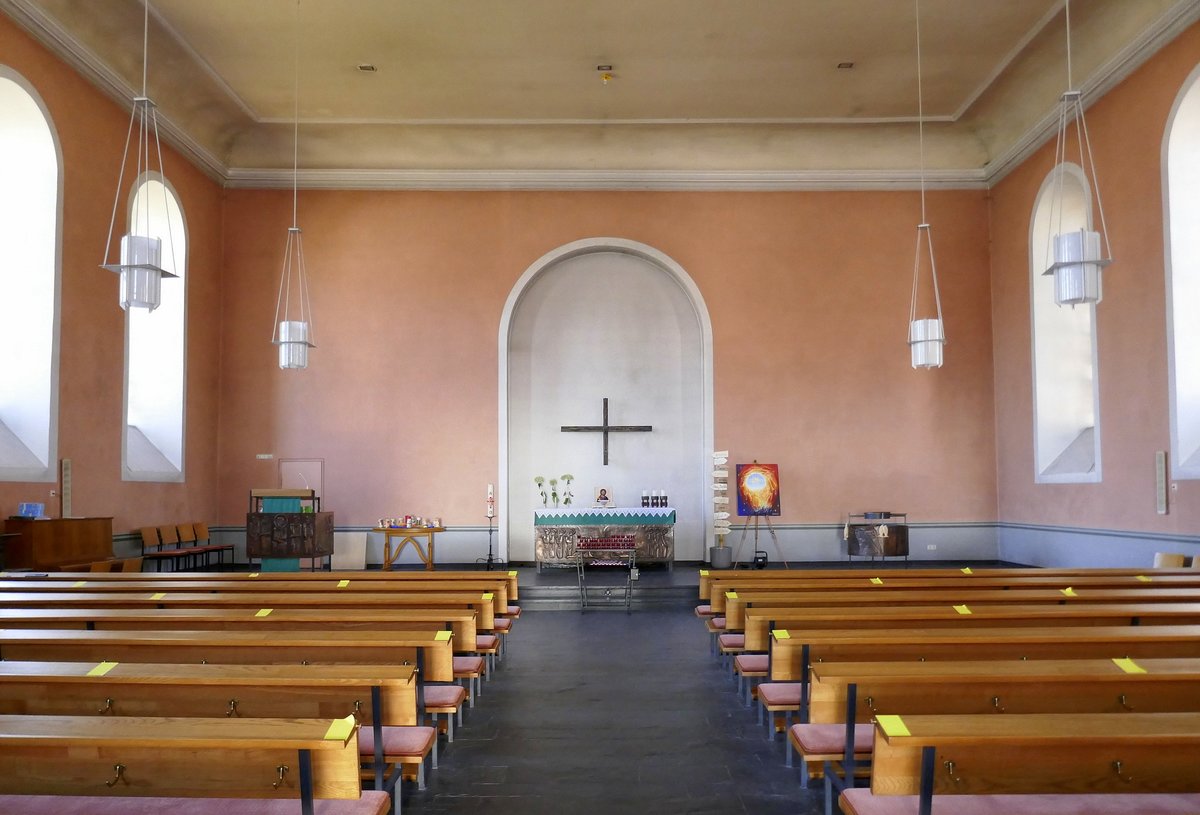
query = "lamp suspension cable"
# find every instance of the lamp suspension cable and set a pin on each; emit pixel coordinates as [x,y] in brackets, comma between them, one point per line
[926,337]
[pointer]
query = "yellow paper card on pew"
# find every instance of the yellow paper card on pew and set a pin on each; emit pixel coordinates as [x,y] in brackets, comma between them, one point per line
[79,583]
[158,595]
[343,584]
[1142,578]
[263,612]
[704,572]
[781,634]
[512,573]
[878,581]
[731,595]
[966,570]
[442,636]
[340,729]
[252,574]
[1069,592]
[1129,666]
[892,725]
[102,668]
[489,596]
[962,609]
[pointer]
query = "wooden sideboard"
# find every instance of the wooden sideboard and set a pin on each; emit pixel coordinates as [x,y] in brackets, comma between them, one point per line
[56,542]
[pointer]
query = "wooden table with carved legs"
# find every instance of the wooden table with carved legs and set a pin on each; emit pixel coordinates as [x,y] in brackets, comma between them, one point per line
[408,535]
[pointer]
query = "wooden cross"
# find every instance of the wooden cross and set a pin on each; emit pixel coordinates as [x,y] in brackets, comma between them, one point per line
[607,428]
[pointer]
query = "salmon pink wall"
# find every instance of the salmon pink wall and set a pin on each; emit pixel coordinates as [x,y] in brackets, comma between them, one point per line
[1127,128]
[807,292]
[91,131]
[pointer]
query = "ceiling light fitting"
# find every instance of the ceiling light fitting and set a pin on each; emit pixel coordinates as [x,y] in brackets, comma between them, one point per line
[606,73]
[926,335]
[1079,255]
[293,331]
[845,66]
[140,260]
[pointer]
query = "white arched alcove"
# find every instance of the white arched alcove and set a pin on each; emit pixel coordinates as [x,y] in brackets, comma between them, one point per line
[596,318]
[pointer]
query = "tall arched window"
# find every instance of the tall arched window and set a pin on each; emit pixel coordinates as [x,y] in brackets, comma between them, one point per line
[30,207]
[1181,191]
[1066,394]
[155,347]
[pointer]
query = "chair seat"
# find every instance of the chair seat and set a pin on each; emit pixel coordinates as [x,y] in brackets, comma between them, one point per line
[466,666]
[826,739]
[444,697]
[513,611]
[747,664]
[502,624]
[780,694]
[487,642]
[732,640]
[704,610]
[717,622]
[398,742]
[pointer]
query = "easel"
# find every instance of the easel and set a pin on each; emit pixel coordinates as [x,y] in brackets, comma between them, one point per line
[770,529]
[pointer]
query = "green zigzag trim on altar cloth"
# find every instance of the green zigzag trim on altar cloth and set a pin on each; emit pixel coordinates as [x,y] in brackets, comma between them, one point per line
[634,516]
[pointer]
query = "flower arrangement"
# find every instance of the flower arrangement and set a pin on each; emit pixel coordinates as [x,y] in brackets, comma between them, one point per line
[554,491]
[567,495]
[541,485]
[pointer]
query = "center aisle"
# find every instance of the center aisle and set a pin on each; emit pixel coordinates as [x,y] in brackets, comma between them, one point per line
[612,713]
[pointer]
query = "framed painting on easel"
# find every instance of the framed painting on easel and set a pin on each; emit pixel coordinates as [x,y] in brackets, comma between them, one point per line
[758,489]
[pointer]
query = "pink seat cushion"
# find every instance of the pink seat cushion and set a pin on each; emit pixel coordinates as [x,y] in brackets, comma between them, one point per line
[397,741]
[751,663]
[780,694]
[486,642]
[444,696]
[860,801]
[716,622]
[502,624]
[513,611]
[732,640]
[816,739]
[371,803]
[467,665]
[704,610]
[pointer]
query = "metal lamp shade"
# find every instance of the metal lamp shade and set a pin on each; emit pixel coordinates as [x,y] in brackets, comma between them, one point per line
[293,344]
[1076,269]
[925,340]
[141,272]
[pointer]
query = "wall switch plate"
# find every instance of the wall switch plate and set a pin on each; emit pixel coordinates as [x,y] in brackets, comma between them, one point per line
[931,547]
[264,456]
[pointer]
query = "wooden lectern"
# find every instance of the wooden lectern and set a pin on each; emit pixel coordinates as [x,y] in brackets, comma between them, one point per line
[301,530]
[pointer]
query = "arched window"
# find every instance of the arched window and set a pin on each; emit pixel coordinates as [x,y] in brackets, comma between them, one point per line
[1066,394]
[155,347]
[30,207]
[1181,191]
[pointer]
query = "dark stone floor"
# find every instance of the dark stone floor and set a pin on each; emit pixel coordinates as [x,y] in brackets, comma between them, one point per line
[608,712]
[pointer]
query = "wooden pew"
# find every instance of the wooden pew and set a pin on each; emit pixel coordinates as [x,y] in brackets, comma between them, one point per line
[430,651]
[460,621]
[714,583]
[395,579]
[846,695]
[378,696]
[497,588]
[792,656]
[759,619]
[1026,760]
[735,606]
[149,756]
[483,604]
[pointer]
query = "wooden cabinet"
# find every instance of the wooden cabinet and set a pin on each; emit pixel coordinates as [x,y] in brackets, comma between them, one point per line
[56,542]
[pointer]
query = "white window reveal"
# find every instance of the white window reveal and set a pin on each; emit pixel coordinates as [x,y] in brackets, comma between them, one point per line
[155,347]
[30,238]
[1066,391]
[1181,191]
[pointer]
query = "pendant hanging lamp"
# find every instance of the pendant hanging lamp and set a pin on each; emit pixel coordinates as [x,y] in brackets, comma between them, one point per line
[926,335]
[1079,255]
[140,258]
[293,329]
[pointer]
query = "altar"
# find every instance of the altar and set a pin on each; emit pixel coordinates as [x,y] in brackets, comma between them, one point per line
[556,530]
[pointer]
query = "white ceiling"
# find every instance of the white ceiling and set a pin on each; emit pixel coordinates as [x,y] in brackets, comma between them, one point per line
[700,89]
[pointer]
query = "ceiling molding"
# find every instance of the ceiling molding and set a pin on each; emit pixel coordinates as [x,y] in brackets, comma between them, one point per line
[655,180]
[63,44]
[1105,78]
